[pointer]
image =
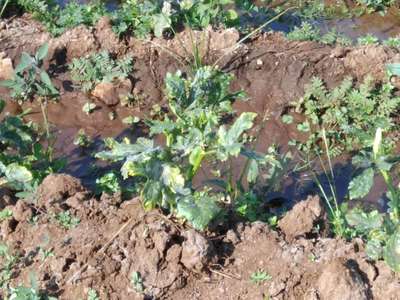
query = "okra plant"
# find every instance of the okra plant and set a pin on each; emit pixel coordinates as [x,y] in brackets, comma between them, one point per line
[381,230]
[194,133]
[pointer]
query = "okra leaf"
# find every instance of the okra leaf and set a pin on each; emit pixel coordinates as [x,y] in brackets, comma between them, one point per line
[361,185]
[25,62]
[199,209]
[391,253]
[42,52]
[374,249]
[364,222]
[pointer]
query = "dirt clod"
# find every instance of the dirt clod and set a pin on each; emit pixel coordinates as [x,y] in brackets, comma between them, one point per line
[340,280]
[22,212]
[56,188]
[196,251]
[302,218]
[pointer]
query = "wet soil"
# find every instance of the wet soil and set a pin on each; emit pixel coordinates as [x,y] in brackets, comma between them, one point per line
[115,238]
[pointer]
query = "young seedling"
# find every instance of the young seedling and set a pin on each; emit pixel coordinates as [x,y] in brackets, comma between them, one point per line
[137,282]
[89,107]
[92,295]
[260,276]
[66,220]
[82,140]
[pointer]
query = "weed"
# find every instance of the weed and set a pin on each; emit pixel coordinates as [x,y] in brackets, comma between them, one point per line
[24,162]
[376,5]
[260,276]
[89,107]
[9,262]
[45,253]
[5,214]
[368,39]
[108,183]
[349,115]
[137,282]
[393,42]
[66,220]
[306,32]
[31,80]
[82,140]
[92,295]
[98,67]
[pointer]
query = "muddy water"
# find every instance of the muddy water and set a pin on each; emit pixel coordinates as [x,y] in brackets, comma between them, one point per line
[382,26]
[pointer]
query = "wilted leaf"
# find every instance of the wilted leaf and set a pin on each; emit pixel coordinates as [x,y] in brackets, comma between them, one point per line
[361,185]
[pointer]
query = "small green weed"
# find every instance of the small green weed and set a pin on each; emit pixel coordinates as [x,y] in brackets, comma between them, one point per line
[99,67]
[92,295]
[66,220]
[108,183]
[306,32]
[376,5]
[82,140]
[5,214]
[393,42]
[137,282]
[349,115]
[368,39]
[260,276]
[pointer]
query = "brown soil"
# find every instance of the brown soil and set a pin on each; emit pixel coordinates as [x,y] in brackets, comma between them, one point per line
[115,238]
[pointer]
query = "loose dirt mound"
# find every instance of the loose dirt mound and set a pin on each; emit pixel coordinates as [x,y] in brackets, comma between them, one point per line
[111,243]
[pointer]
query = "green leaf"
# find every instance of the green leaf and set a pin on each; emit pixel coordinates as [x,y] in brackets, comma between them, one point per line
[151,194]
[140,151]
[361,185]
[394,68]
[25,62]
[46,79]
[2,105]
[161,22]
[19,174]
[364,222]
[42,52]
[229,140]
[252,173]
[374,249]
[287,119]
[391,252]
[199,209]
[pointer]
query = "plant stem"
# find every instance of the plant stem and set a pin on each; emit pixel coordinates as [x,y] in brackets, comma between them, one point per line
[4,7]
[43,106]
